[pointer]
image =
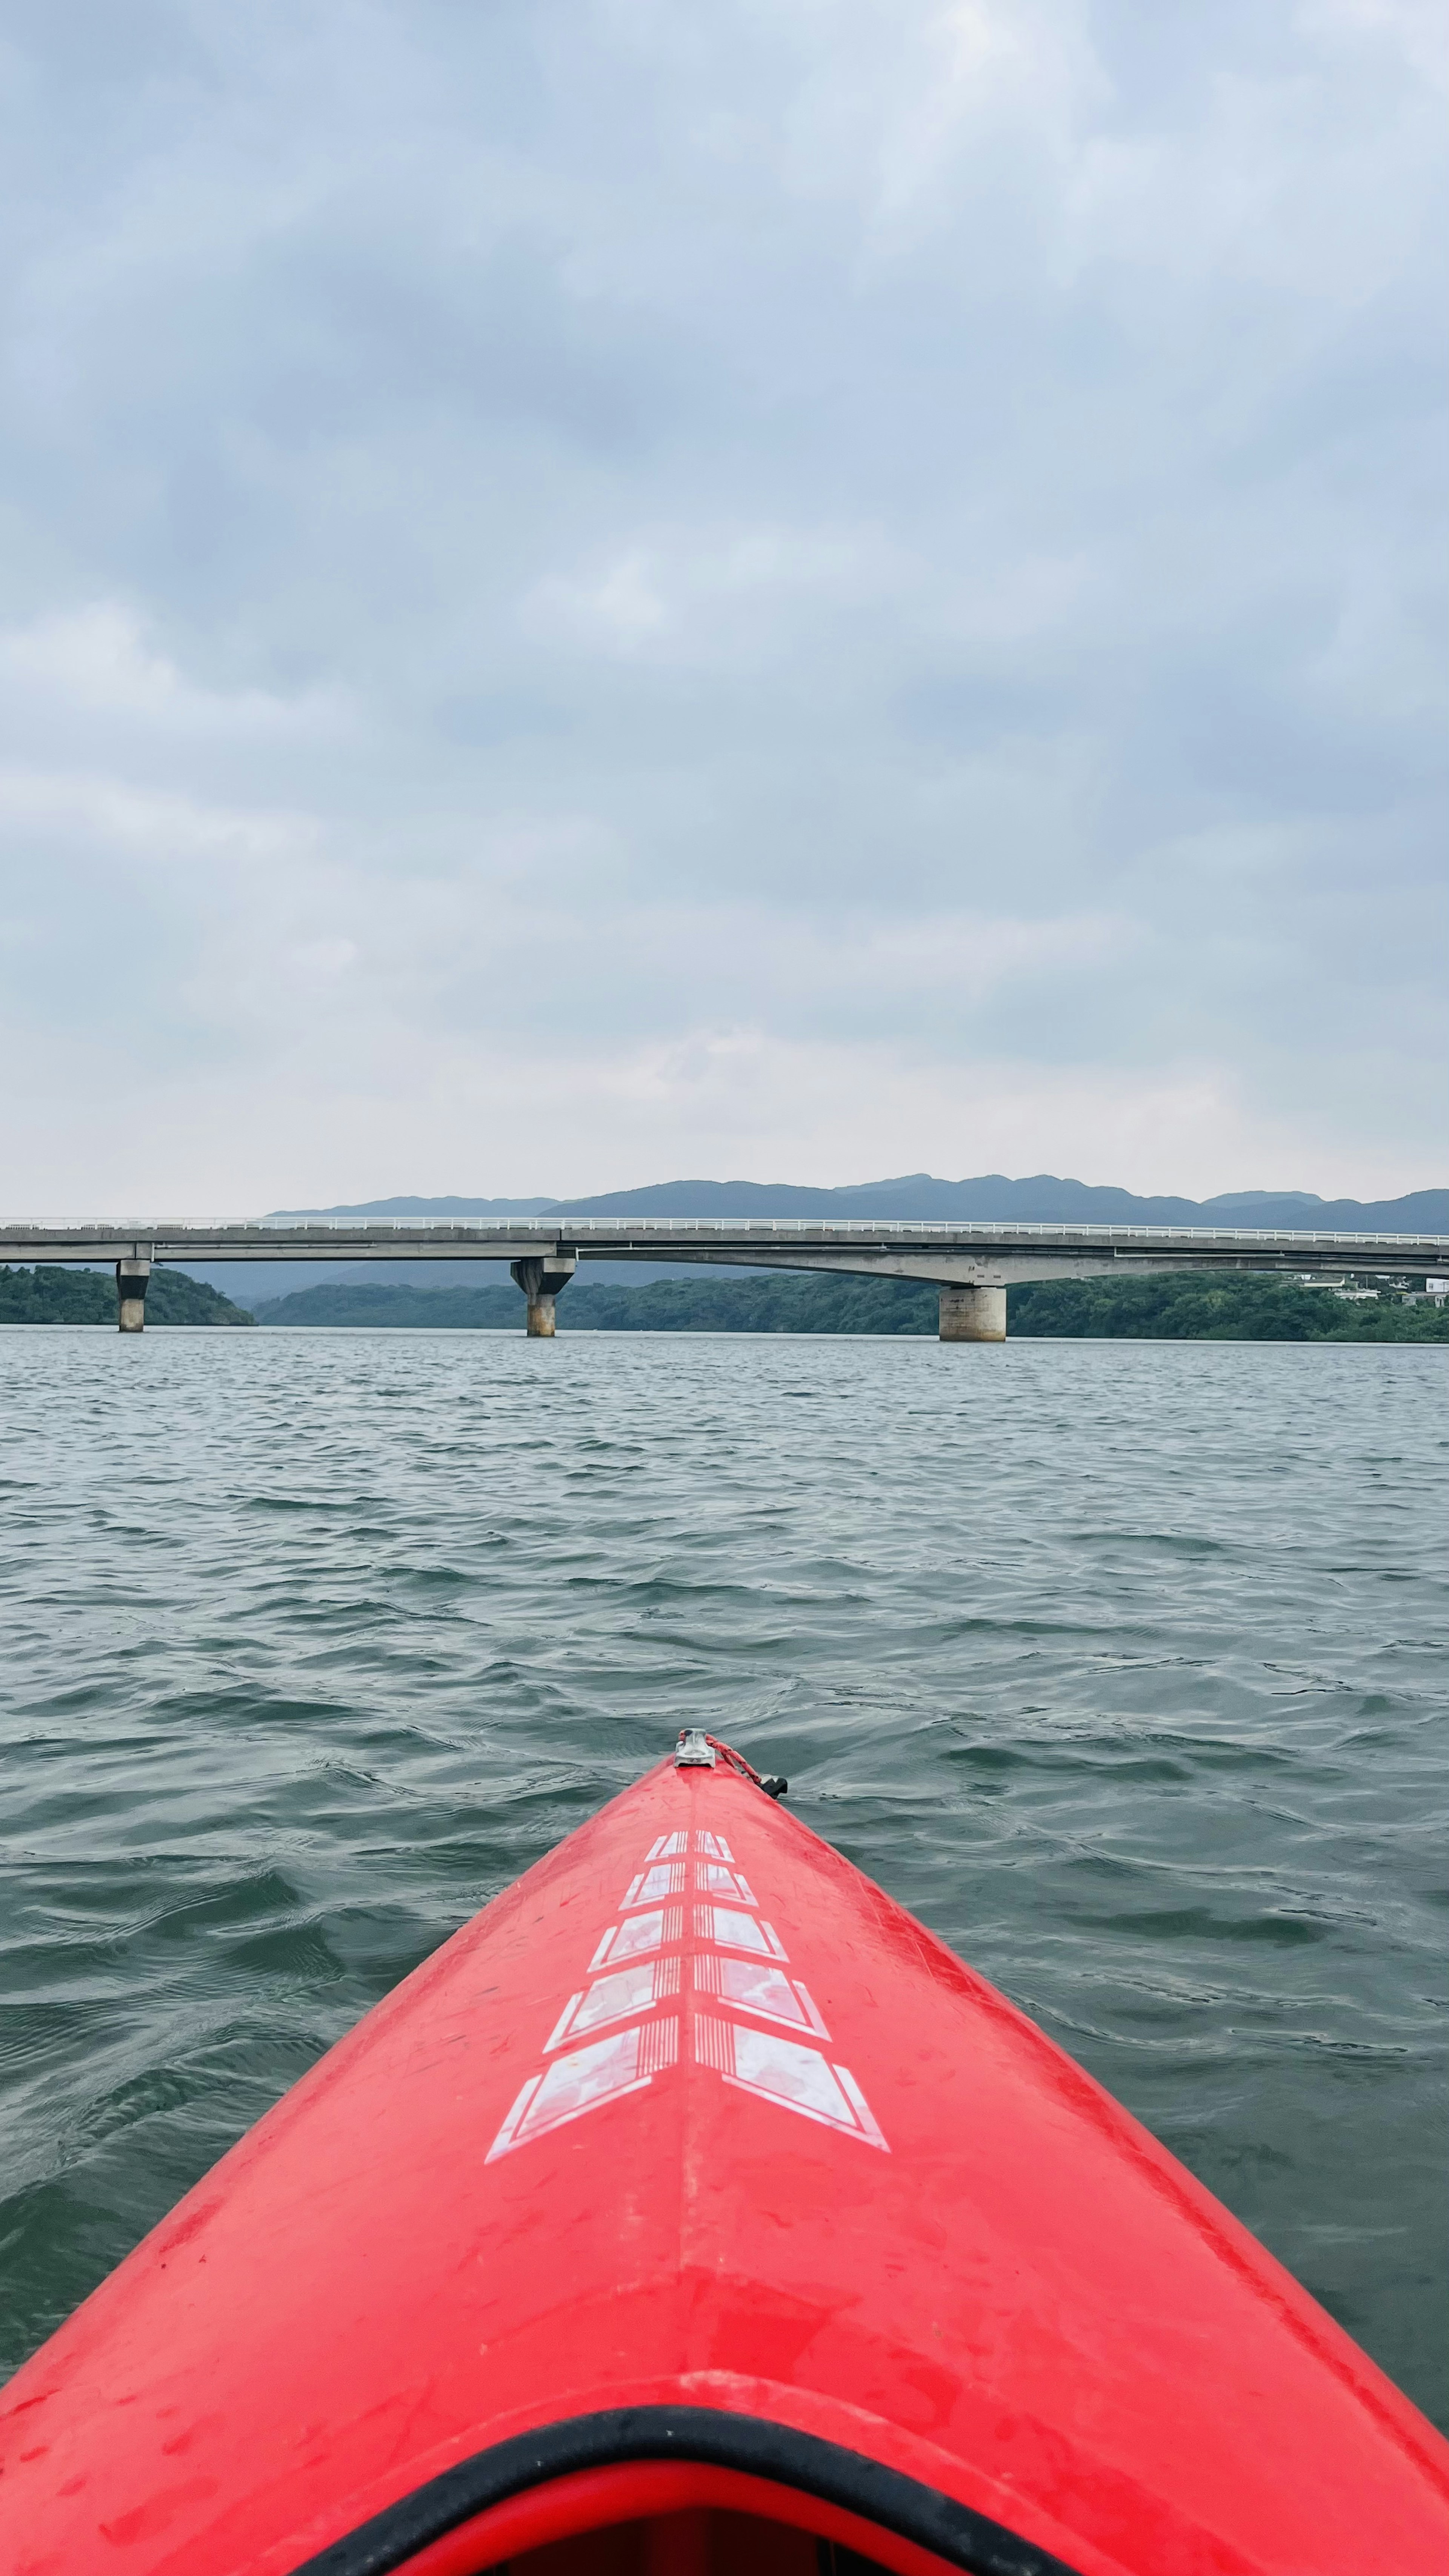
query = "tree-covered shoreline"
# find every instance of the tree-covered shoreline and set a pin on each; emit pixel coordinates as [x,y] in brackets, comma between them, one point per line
[50,1294]
[1180,1306]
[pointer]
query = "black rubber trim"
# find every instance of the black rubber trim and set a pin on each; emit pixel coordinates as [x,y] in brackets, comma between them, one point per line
[702,2433]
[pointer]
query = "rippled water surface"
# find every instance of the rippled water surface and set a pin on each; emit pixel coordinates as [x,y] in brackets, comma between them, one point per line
[1116,1661]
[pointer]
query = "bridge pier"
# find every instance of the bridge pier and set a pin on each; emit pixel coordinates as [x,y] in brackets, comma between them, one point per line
[131,1279]
[542,1281]
[973,1314]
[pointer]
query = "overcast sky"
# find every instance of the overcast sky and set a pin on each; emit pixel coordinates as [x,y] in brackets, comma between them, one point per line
[787,589]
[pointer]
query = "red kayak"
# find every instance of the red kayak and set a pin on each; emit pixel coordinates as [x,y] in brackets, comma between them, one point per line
[694,2213]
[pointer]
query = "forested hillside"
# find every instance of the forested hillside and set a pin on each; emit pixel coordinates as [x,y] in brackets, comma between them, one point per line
[1183,1306]
[59,1296]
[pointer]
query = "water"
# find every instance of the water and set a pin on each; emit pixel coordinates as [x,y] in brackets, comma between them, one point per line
[1115,1661]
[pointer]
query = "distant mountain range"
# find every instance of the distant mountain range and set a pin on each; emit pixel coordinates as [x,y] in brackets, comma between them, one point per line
[413,1212]
[918,1194]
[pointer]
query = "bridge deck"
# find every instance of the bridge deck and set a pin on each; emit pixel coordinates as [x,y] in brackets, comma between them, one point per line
[899,1246]
[705,1238]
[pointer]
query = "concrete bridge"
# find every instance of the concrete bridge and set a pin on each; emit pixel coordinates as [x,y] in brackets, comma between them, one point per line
[973,1265]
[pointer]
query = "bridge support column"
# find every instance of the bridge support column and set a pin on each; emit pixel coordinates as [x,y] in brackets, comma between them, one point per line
[131,1278]
[973,1314]
[542,1281]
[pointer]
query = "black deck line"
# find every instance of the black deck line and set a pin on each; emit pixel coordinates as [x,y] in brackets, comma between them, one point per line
[704,2434]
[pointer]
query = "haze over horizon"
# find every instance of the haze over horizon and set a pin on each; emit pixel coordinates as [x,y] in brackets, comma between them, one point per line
[591,593]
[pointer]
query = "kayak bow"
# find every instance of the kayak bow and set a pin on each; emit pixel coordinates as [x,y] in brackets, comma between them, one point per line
[693,2212]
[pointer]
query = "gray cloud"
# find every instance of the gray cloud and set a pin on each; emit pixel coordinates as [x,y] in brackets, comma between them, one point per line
[597,591]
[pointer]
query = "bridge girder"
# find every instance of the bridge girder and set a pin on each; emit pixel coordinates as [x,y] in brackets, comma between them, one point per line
[966,1255]
[947,1270]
